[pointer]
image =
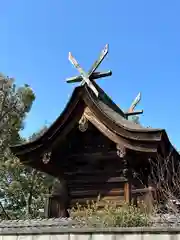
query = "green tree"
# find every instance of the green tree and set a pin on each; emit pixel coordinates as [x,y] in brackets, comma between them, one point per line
[15,103]
[24,189]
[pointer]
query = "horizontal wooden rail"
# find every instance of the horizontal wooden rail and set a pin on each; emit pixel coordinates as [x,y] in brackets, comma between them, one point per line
[97,180]
[142,190]
[108,172]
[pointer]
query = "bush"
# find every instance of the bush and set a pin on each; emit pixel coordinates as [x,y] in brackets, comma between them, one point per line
[110,215]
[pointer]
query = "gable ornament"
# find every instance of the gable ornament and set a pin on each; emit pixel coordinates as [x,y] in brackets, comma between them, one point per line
[46,157]
[83,124]
[121,151]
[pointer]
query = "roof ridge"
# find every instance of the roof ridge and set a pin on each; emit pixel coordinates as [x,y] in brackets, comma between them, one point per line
[104,96]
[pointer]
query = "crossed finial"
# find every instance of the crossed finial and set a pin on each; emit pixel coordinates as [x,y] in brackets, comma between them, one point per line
[134,103]
[87,77]
[92,74]
[131,111]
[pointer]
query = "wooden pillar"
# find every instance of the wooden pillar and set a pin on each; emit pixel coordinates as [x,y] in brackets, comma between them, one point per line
[127,192]
[127,173]
[59,200]
[128,186]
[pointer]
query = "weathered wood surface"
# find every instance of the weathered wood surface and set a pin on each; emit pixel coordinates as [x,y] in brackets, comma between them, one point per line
[93,168]
[95,75]
[134,103]
[90,164]
[98,184]
[123,140]
[87,77]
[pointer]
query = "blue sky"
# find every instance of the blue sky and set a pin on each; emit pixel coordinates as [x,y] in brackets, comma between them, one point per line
[144,40]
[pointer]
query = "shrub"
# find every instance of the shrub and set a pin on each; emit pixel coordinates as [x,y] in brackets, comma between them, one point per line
[110,215]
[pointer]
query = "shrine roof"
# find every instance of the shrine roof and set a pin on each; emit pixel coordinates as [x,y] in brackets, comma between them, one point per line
[109,113]
[103,113]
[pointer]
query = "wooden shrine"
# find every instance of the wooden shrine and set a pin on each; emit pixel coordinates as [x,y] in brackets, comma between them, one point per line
[92,147]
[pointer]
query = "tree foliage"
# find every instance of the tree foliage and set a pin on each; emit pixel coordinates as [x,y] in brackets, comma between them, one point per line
[15,103]
[22,189]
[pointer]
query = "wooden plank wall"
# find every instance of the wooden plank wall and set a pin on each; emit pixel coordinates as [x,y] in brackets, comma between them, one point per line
[89,185]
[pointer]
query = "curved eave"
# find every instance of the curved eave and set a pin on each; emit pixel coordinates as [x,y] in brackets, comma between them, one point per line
[128,131]
[39,141]
[135,136]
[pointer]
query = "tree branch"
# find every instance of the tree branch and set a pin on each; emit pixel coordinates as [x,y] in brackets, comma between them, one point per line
[5,213]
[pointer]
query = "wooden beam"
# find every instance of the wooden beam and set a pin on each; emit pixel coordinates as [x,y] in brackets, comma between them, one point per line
[94,76]
[133,113]
[114,137]
[81,157]
[96,64]
[92,173]
[97,75]
[97,180]
[84,75]
[94,192]
[103,202]
[135,102]
[96,186]
[126,192]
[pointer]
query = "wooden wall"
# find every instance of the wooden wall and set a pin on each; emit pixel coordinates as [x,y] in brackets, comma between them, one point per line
[107,184]
[91,166]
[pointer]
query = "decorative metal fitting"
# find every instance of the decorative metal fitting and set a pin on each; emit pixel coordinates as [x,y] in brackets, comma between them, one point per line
[125,172]
[134,174]
[46,157]
[83,124]
[121,151]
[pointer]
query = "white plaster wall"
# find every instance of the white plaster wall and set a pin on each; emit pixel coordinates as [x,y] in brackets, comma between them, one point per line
[94,237]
